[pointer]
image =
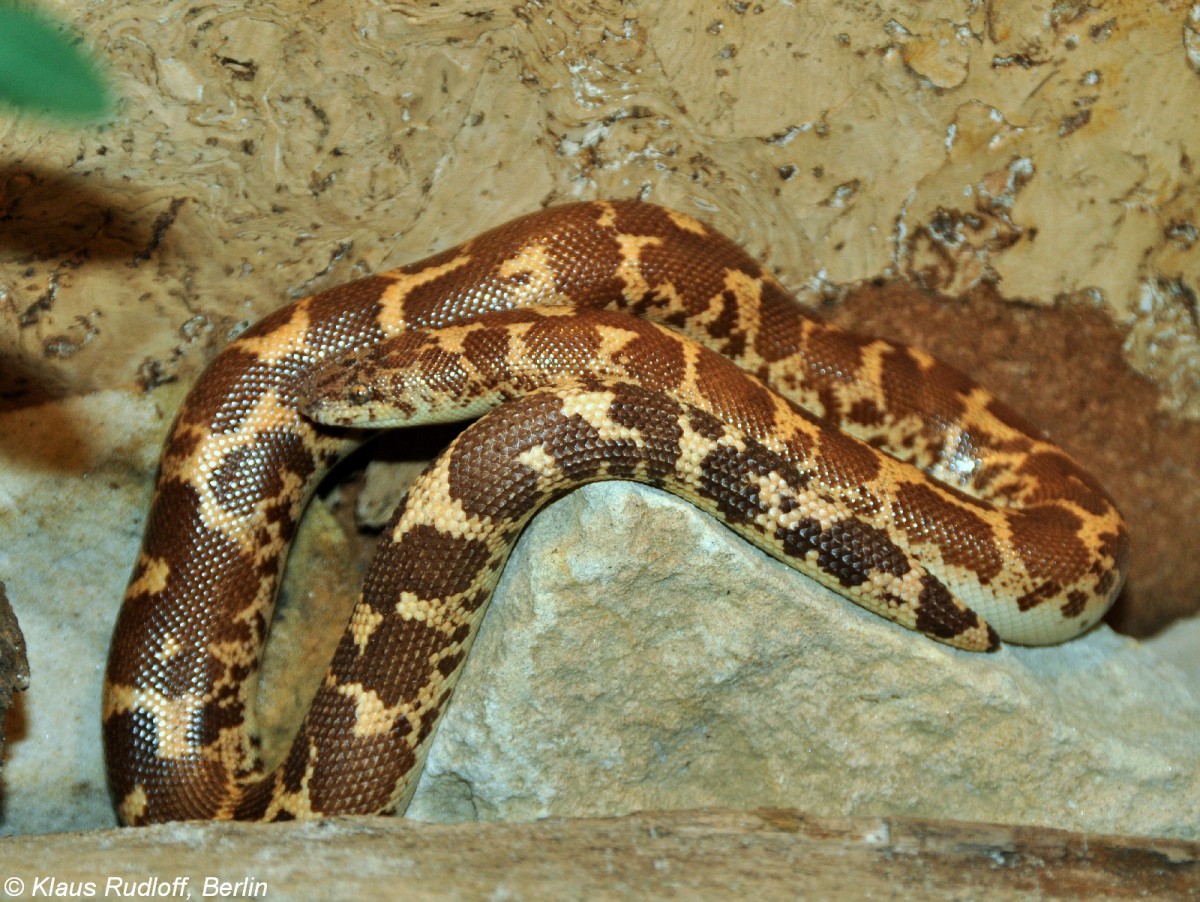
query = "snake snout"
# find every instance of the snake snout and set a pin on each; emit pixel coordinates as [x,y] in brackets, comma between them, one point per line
[332,392]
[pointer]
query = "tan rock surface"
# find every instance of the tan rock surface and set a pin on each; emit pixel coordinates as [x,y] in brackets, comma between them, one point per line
[264,154]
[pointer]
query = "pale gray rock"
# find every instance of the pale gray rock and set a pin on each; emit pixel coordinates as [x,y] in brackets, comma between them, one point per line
[640,656]
[1179,644]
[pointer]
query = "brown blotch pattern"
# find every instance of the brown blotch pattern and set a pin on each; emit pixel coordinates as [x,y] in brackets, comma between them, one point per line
[780,333]
[849,550]
[429,562]
[934,395]
[253,473]
[938,615]
[1049,543]
[745,402]
[725,479]
[443,371]
[833,357]
[1042,593]
[962,536]
[865,412]
[484,492]
[1064,479]
[1076,604]
[652,360]
[486,350]
[846,462]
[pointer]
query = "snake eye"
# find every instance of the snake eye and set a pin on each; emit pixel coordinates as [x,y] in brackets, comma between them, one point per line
[359,393]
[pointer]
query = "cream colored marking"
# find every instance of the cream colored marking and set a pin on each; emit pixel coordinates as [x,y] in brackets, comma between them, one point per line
[173,717]
[155,573]
[298,803]
[694,448]
[608,215]
[427,701]
[533,261]
[413,607]
[443,614]
[613,340]
[629,270]
[285,339]
[547,311]
[292,487]
[451,339]
[431,503]
[687,223]
[865,385]
[212,453]
[689,389]
[233,748]
[515,356]
[669,296]
[371,716]
[234,655]
[549,369]
[772,489]
[363,625]
[169,647]
[134,805]
[391,316]
[593,409]
[746,289]
[538,460]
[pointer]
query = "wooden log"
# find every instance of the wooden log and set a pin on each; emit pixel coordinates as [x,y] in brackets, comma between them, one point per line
[711,854]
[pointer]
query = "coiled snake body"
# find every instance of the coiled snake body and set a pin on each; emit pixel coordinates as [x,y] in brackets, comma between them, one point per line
[970,528]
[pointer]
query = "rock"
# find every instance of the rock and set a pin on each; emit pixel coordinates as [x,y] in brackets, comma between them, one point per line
[1178,645]
[638,656]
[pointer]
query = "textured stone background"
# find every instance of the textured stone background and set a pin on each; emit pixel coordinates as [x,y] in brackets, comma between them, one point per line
[1012,185]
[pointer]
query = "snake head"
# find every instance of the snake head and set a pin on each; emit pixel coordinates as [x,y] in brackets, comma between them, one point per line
[342,392]
[403,381]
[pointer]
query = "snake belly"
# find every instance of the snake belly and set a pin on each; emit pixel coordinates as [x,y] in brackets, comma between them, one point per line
[241,461]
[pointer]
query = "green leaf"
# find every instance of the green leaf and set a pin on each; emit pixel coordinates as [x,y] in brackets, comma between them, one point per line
[42,69]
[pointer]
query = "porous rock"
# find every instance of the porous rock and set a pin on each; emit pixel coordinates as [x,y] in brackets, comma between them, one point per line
[638,656]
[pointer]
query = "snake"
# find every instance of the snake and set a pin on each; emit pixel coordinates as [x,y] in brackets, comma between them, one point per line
[599,340]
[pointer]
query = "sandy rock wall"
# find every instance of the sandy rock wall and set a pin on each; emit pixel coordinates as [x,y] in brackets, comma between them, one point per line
[269,149]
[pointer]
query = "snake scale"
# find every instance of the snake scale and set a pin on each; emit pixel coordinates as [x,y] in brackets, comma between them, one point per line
[871,466]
